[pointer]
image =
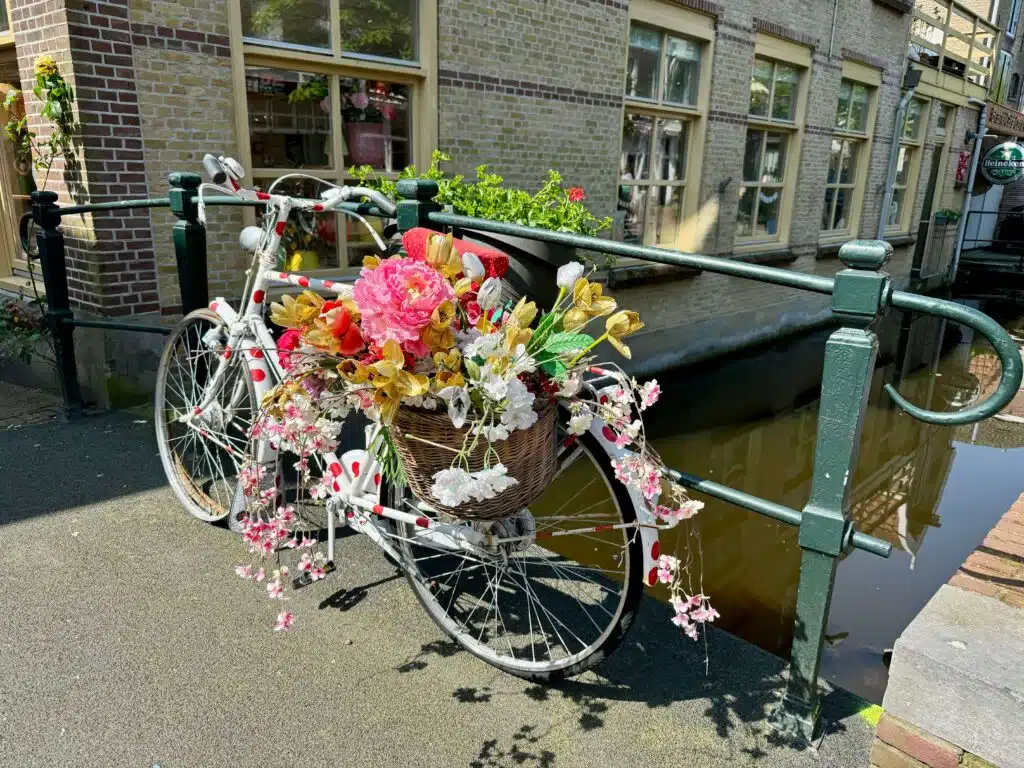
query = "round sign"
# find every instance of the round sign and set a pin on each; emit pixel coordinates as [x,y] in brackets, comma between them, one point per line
[1004,163]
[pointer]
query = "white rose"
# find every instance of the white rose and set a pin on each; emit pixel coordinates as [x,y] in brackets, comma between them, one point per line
[472,267]
[489,295]
[568,274]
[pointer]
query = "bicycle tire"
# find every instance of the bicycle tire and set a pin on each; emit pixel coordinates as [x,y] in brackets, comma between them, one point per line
[573,664]
[212,495]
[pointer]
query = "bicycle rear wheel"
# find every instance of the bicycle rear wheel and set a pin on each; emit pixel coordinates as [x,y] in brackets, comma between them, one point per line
[202,460]
[551,606]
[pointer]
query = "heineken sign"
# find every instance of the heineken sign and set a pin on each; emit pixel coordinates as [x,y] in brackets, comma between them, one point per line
[1004,163]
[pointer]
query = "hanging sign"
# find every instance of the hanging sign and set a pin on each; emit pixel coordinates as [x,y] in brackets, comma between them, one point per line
[1004,163]
[1004,121]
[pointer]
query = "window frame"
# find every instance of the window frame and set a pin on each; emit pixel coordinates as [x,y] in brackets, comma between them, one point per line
[420,76]
[682,23]
[871,78]
[793,54]
[915,146]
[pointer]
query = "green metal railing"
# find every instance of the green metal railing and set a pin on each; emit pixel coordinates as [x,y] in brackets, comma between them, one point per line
[861,295]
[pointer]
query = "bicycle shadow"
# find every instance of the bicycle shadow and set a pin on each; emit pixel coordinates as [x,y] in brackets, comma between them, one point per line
[657,667]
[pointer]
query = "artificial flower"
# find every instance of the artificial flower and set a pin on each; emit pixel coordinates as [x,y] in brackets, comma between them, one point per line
[296,312]
[285,621]
[397,301]
[489,295]
[289,342]
[575,194]
[623,323]
[472,267]
[568,274]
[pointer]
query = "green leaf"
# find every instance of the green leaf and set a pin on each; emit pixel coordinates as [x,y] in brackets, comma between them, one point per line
[560,343]
[554,367]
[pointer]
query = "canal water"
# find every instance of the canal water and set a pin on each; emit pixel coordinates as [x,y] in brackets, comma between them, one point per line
[934,492]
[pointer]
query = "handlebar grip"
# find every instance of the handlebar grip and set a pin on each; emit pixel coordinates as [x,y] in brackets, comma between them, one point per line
[214,170]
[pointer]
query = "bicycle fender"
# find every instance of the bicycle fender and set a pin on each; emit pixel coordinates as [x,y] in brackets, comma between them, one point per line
[648,534]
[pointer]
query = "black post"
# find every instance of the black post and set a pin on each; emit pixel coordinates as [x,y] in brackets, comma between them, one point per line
[46,215]
[189,242]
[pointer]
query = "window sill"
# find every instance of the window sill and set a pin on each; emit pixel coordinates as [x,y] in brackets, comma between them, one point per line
[764,255]
[641,274]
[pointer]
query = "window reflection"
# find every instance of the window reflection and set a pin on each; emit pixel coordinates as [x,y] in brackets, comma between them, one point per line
[289,118]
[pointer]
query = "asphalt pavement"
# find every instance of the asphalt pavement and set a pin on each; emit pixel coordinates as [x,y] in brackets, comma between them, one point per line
[127,640]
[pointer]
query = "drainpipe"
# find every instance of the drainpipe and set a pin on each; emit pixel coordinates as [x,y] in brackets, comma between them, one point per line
[961,230]
[832,36]
[894,153]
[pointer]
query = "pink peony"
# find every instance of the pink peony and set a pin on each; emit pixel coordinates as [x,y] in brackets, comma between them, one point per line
[396,300]
[359,100]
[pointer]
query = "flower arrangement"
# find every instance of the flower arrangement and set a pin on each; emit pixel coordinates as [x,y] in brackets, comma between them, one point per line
[429,334]
[553,206]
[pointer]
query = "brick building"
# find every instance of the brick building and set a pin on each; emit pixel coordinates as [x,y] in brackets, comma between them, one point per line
[786,109]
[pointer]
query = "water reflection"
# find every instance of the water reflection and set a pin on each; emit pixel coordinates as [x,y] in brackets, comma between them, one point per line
[914,483]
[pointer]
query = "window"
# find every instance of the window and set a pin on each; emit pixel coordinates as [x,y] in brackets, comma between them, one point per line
[844,184]
[1014,18]
[330,84]
[908,163]
[1013,92]
[666,95]
[771,150]
[1001,80]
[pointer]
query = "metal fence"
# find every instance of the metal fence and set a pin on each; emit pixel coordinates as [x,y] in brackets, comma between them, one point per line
[861,296]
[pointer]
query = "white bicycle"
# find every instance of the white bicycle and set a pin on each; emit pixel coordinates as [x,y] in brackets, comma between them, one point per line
[545,593]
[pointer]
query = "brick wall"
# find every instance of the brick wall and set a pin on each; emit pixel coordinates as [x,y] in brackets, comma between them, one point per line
[523,91]
[525,86]
[186,103]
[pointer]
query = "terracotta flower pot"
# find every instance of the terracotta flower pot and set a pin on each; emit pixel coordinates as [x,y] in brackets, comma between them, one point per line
[366,143]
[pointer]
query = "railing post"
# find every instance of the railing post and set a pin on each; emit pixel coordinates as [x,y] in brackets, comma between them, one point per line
[189,242]
[50,241]
[416,204]
[860,297]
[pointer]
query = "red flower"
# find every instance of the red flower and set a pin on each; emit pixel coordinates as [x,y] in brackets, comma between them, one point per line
[576,194]
[289,341]
[345,331]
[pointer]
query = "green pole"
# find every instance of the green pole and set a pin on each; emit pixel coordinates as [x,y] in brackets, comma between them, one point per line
[859,300]
[189,242]
[417,203]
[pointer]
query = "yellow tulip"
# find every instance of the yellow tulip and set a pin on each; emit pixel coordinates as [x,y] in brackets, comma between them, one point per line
[371,262]
[623,323]
[353,372]
[524,312]
[442,315]
[387,399]
[574,319]
[450,360]
[438,339]
[463,285]
[449,379]
[392,351]
[296,313]
[591,299]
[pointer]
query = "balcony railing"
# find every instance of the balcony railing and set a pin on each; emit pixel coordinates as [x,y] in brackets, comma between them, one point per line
[955,40]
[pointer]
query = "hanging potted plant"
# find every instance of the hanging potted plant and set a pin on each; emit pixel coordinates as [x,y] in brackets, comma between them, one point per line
[367,118]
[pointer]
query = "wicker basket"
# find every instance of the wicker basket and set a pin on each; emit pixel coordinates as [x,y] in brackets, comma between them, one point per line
[529,455]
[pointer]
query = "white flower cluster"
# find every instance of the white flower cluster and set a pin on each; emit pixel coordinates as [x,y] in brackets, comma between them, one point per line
[453,487]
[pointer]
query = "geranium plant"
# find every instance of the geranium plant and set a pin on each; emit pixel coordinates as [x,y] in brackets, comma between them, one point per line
[554,206]
[428,332]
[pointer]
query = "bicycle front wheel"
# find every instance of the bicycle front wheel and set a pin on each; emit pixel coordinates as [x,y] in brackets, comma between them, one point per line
[555,602]
[202,451]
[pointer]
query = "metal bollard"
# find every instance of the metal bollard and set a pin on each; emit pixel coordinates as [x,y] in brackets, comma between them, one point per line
[50,240]
[189,242]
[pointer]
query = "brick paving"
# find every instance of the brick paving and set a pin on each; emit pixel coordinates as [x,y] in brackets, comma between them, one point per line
[996,567]
[23,405]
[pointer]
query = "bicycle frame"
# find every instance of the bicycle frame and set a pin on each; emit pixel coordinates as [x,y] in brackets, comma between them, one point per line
[355,499]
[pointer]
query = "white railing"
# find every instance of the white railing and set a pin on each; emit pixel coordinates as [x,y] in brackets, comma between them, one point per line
[955,40]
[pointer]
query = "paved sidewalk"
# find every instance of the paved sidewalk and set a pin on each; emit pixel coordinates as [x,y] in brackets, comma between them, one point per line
[128,641]
[20,406]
